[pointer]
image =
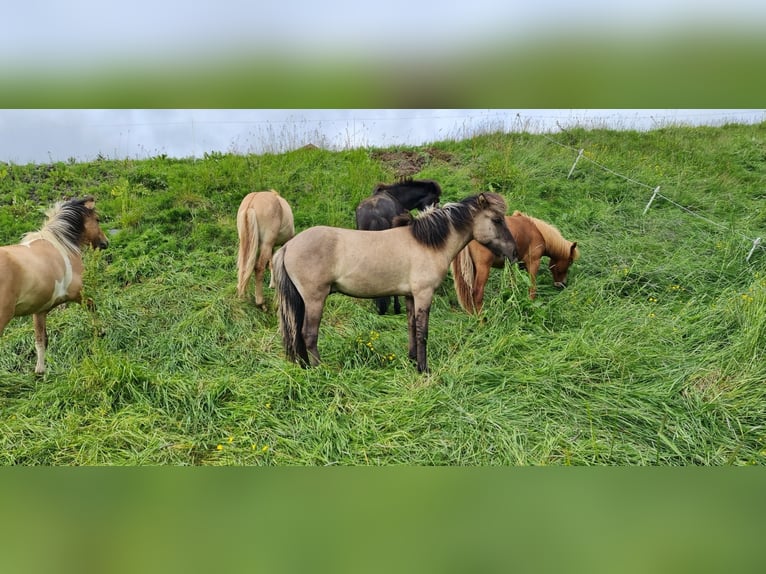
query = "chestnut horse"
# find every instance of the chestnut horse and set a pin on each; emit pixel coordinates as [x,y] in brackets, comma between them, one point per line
[534,239]
[410,260]
[46,268]
[389,206]
[264,221]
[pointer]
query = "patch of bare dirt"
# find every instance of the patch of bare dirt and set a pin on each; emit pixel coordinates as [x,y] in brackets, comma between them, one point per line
[406,163]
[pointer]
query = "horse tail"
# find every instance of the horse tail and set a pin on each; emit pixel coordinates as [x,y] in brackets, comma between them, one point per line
[463,274]
[291,309]
[247,228]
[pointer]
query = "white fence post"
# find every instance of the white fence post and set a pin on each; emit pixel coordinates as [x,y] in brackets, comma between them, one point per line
[651,199]
[579,155]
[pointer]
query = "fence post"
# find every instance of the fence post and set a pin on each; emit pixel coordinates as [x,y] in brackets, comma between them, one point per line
[651,199]
[579,155]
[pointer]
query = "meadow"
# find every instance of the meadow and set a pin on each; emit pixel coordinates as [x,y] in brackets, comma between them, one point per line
[653,354]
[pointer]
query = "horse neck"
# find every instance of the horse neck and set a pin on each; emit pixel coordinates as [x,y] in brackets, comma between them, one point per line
[407,197]
[554,244]
[456,241]
[68,251]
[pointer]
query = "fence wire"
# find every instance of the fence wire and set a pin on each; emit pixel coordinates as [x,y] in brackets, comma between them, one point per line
[756,243]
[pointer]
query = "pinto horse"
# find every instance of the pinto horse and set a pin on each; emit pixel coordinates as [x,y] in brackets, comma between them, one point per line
[410,260]
[46,268]
[264,221]
[389,206]
[534,239]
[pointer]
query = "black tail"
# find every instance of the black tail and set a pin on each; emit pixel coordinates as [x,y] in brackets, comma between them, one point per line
[291,309]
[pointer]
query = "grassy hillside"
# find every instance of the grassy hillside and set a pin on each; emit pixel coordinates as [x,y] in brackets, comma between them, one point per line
[654,354]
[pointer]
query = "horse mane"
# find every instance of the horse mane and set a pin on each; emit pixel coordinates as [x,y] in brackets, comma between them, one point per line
[65,224]
[554,240]
[433,226]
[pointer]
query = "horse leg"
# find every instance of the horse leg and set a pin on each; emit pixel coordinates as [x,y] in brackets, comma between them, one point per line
[421,329]
[382,304]
[260,267]
[310,330]
[397,305]
[532,268]
[417,322]
[41,341]
[480,282]
[411,330]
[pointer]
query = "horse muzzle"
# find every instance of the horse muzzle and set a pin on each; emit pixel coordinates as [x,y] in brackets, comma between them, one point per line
[510,256]
[559,284]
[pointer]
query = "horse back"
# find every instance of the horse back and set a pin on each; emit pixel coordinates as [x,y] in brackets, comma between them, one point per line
[378,211]
[271,212]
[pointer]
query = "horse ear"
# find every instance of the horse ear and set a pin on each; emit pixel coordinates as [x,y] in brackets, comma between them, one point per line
[482,201]
[89,202]
[573,253]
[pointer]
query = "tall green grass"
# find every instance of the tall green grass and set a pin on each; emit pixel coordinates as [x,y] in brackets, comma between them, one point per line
[652,355]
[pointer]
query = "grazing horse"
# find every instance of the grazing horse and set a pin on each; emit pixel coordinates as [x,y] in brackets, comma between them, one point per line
[389,206]
[410,260]
[534,239]
[264,221]
[45,269]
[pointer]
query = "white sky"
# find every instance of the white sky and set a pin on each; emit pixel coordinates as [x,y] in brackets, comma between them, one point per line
[43,136]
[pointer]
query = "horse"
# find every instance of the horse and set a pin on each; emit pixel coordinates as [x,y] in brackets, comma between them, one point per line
[264,221]
[409,260]
[534,239]
[46,268]
[389,206]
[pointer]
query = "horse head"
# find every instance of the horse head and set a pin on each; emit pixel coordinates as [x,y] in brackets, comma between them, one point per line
[490,229]
[559,266]
[92,233]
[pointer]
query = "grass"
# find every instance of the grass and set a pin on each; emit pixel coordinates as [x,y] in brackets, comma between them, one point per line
[652,356]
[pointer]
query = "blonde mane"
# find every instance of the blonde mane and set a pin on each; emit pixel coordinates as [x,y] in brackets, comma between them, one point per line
[555,243]
[63,226]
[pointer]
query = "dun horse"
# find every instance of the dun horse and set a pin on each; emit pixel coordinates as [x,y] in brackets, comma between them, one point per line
[46,268]
[534,239]
[389,206]
[264,221]
[410,261]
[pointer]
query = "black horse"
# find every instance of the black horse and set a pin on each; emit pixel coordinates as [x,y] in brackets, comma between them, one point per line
[389,206]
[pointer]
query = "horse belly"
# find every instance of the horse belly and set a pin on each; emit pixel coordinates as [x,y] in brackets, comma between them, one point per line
[369,276]
[367,286]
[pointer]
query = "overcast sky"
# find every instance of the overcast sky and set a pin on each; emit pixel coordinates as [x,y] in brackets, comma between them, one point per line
[44,136]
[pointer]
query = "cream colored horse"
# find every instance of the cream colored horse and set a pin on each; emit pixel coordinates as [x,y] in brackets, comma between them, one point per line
[264,221]
[46,268]
[411,261]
